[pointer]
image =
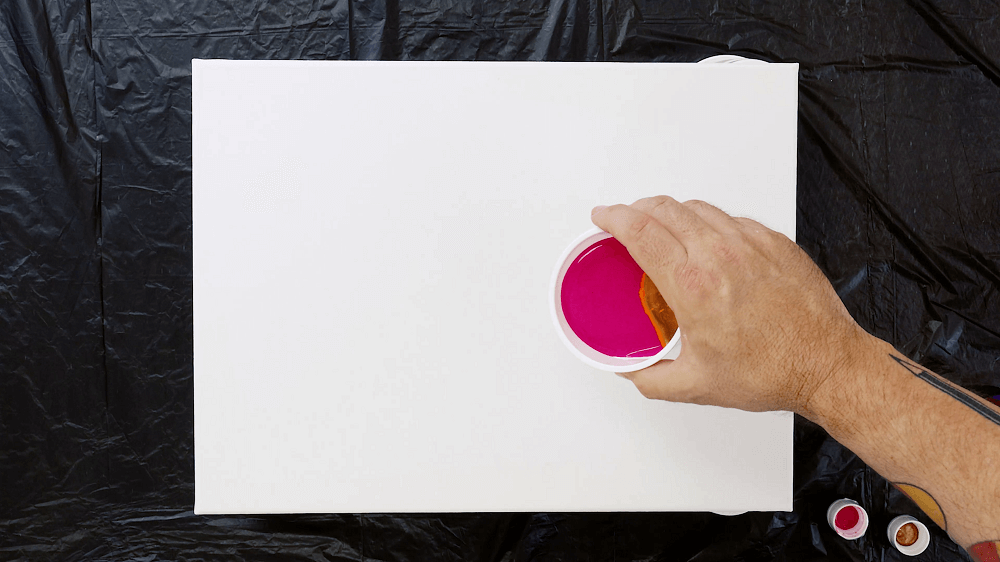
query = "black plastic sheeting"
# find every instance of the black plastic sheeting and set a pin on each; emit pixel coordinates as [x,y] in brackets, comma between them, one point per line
[898,202]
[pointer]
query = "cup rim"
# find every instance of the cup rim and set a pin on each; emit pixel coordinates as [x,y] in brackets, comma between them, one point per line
[558,319]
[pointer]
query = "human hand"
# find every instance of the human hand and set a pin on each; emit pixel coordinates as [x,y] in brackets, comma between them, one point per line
[761,327]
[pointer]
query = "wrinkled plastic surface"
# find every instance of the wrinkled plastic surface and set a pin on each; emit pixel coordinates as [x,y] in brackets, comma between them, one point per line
[899,175]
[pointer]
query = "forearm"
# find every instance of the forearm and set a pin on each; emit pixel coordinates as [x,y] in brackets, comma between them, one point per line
[729,280]
[937,442]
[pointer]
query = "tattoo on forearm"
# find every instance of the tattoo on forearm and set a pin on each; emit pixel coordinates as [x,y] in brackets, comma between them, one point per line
[986,551]
[953,391]
[925,502]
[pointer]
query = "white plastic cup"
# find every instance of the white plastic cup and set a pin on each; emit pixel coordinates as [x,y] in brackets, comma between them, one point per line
[581,350]
[855,532]
[923,535]
[730,59]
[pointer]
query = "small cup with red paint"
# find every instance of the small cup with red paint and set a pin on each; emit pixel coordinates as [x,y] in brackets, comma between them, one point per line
[847,519]
[602,309]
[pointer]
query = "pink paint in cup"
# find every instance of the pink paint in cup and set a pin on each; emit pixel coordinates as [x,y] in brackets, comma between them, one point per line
[595,305]
[847,518]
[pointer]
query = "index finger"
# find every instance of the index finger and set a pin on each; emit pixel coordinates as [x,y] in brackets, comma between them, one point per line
[651,245]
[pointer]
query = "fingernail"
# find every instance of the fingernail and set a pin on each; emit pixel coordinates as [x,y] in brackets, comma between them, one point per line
[597,209]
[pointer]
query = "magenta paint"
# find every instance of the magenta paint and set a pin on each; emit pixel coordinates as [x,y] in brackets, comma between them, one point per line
[847,518]
[600,300]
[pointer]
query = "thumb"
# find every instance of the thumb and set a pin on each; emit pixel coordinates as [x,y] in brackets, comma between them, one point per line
[673,381]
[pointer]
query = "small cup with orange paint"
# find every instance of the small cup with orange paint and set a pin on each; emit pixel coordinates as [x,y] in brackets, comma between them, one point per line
[908,535]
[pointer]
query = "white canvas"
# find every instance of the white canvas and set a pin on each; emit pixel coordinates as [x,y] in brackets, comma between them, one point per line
[373,244]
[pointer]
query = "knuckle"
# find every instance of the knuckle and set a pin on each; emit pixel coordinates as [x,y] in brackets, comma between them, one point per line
[753,230]
[641,229]
[693,279]
[616,208]
[727,252]
[650,202]
[776,244]
[664,205]
[782,239]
